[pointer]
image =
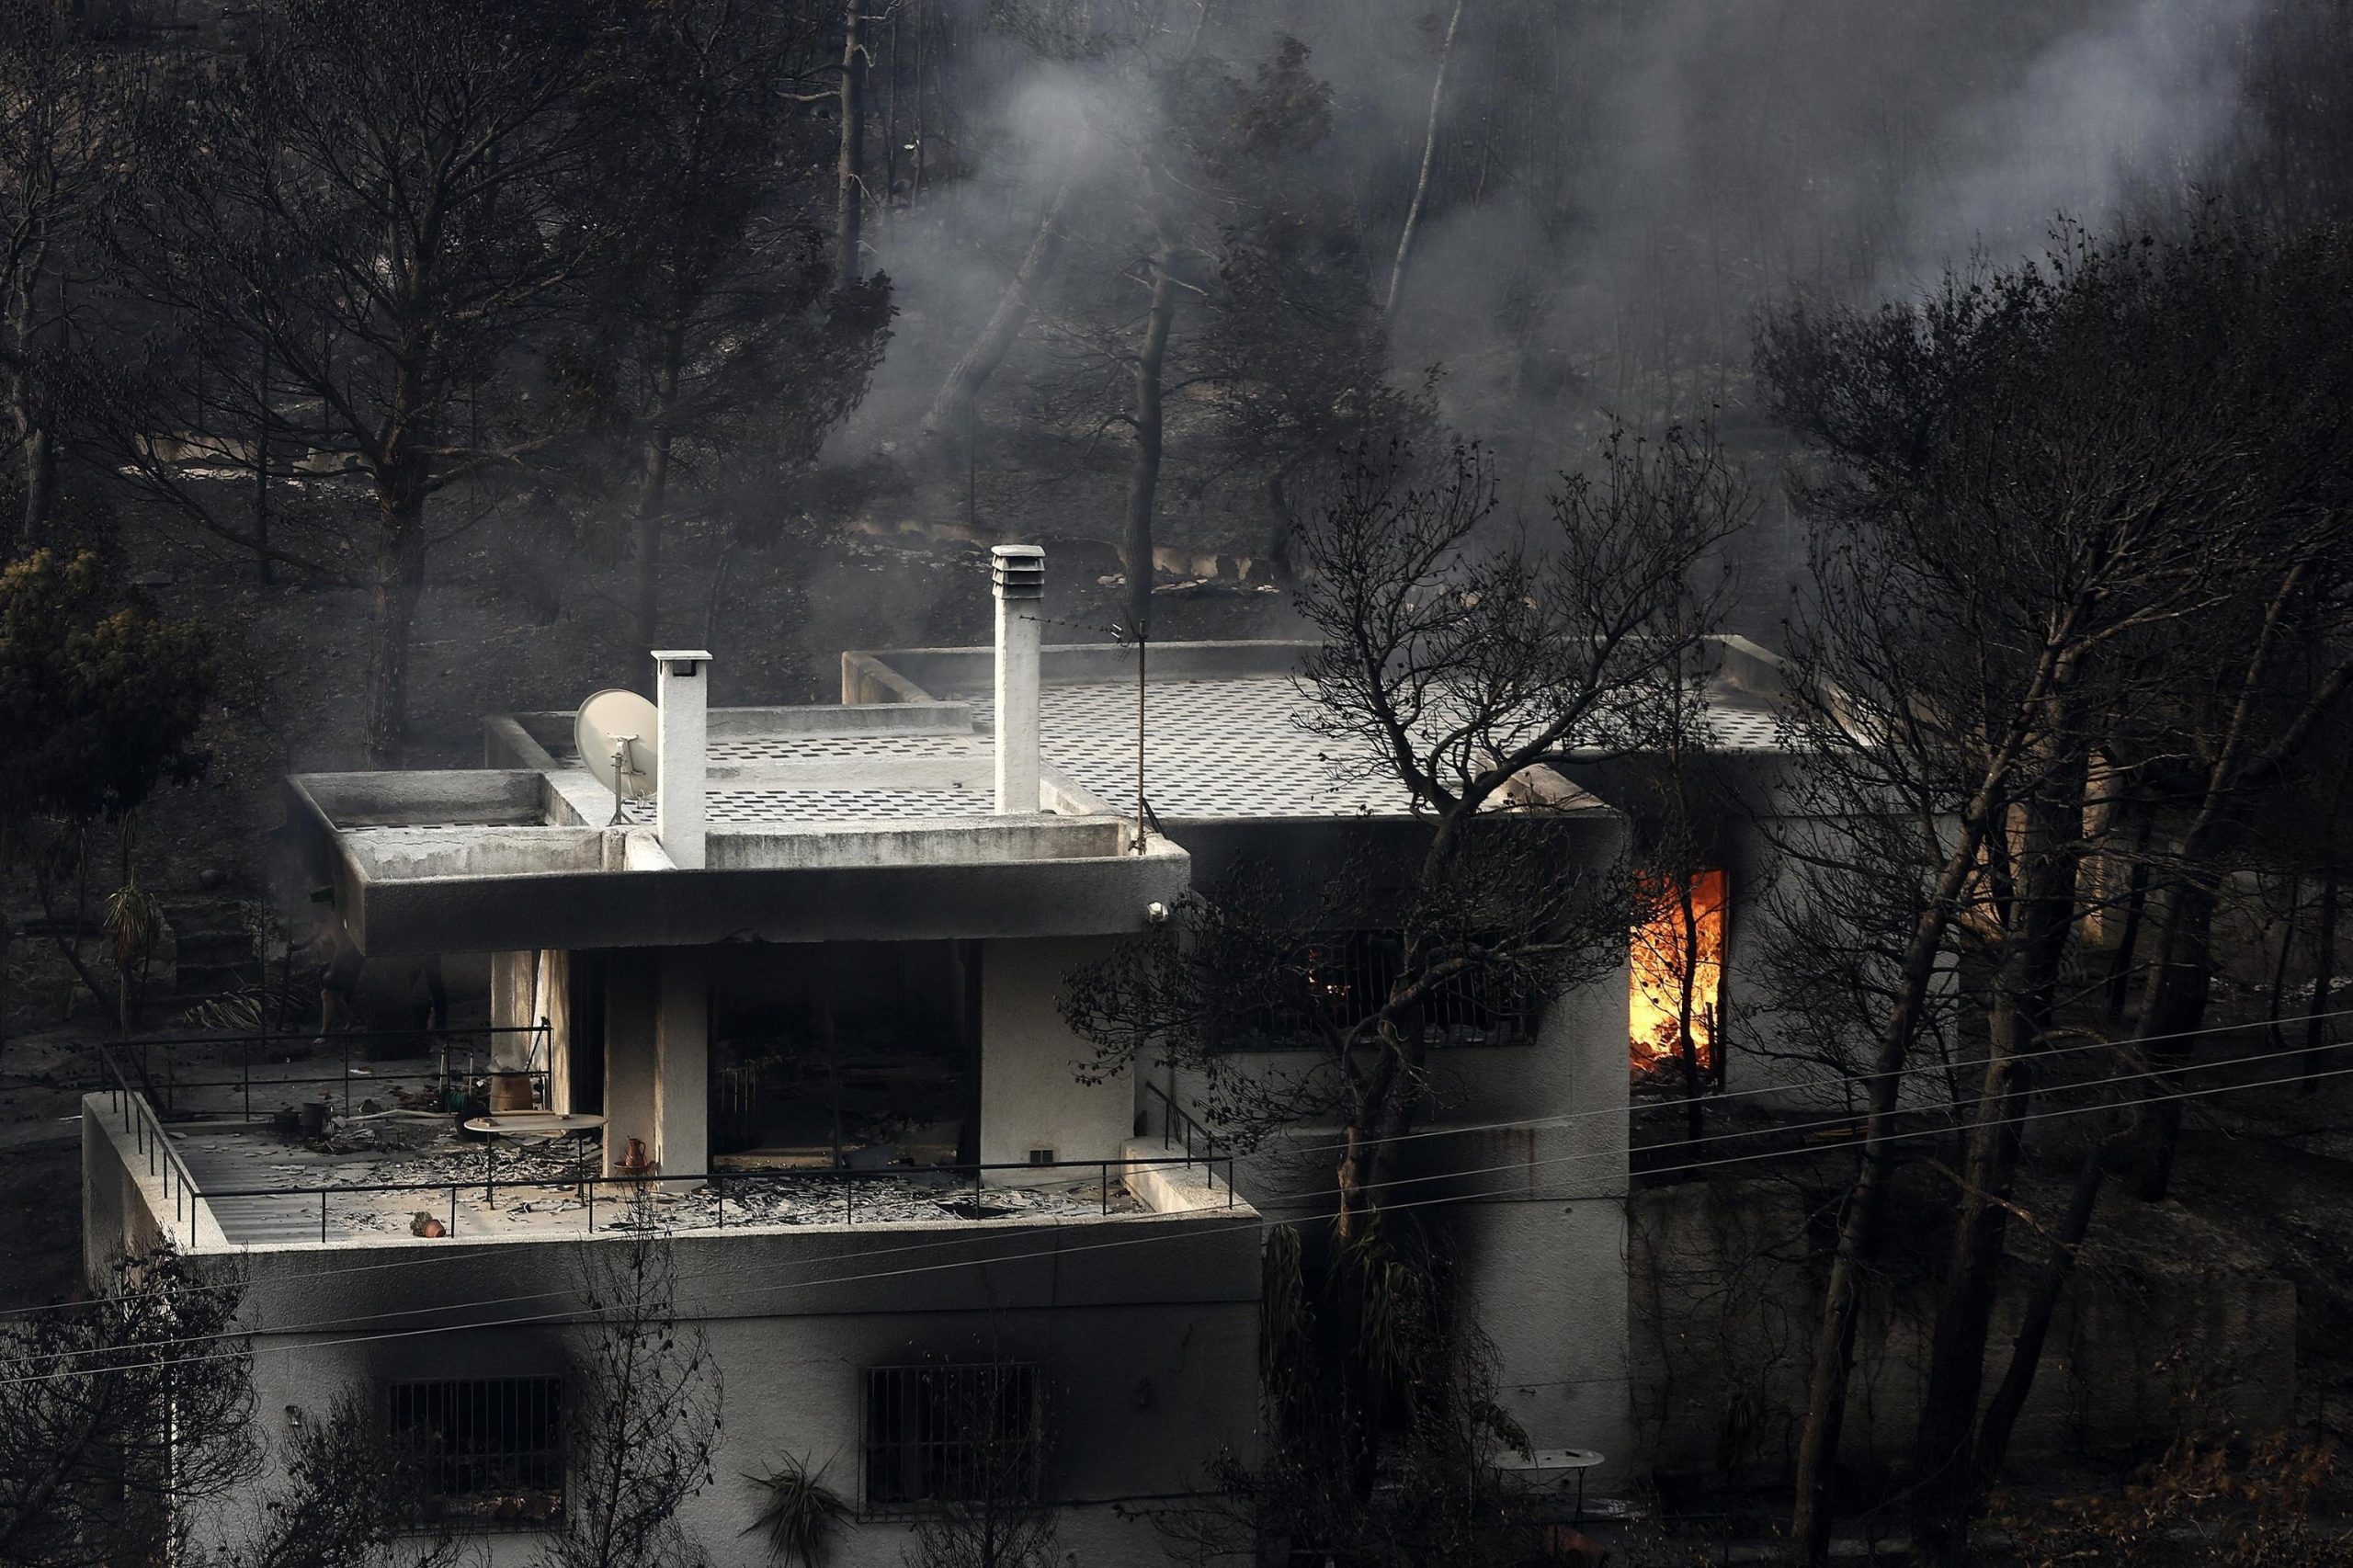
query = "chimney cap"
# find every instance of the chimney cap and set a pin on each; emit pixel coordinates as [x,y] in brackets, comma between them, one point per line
[665,654]
[1017,571]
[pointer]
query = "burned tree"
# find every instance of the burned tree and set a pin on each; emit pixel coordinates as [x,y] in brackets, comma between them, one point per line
[103,697]
[719,350]
[66,117]
[350,1497]
[1453,667]
[2029,492]
[1456,665]
[122,1413]
[376,205]
[1439,1497]
[642,1415]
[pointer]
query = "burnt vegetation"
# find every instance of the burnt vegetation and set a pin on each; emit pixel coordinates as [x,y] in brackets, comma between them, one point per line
[365,366]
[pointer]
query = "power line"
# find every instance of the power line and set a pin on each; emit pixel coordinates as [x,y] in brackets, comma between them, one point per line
[1848,1120]
[1562,1118]
[1847,1082]
[1760,1157]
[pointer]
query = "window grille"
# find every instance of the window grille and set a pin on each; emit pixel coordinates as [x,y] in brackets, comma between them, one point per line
[942,1434]
[487,1451]
[1347,975]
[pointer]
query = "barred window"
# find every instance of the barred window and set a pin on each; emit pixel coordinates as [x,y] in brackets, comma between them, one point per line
[486,1451]
[1347,976]
[953,1434]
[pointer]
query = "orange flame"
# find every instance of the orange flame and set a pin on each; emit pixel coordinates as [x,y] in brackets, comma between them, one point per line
[1659,961]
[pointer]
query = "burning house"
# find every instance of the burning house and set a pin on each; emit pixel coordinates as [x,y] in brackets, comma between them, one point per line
[802,996]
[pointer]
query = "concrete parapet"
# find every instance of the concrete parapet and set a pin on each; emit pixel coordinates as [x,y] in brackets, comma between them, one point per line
[1166,1188]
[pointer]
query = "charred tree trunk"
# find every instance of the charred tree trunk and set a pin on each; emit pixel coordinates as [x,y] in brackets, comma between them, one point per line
[1834,1349]
[2034,1326]
[2179,989]
[2042,909]
[1429,157]
[1688,979]
[2318,1026]
[952,410]
[40,481]
[852,169]
[1382,1115]
[265,570]
[654,492]
[37,459]
[2316,1021]
[1144,483]
[391,612]
[2136,901]
[2275,1000]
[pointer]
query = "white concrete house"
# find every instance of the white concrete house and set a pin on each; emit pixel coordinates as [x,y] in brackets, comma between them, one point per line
[813,985]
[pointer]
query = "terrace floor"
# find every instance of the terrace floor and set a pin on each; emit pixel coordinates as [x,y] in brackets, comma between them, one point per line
[266,1186]
[265,1190]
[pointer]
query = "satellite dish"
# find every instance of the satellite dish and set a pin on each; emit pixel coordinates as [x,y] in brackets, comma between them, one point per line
[615,732]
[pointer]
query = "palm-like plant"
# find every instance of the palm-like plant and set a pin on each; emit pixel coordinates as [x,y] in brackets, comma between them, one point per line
[800,1514]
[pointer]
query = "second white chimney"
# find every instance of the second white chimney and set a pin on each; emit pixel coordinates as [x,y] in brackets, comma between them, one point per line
[1018,573]
[682,694]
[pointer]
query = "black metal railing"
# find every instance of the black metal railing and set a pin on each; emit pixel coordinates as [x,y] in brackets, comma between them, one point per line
[151,1146]
[1178,1126]
[584,1184]
[131,1084]
[166,1081]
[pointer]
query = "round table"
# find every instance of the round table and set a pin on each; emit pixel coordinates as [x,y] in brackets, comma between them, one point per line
[540,1124]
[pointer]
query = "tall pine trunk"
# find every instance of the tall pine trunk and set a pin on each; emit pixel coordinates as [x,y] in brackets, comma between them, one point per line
[951,410]
[2317,1024]
[40,482]
[851,172]
[391,614]
[1143,479]
[2041,1309]
[1834,1347]
[2041,911]
[1429,157]
[35,444]
[654,491]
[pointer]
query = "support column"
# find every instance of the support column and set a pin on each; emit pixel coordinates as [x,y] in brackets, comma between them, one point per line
[631,1004]
[1032,1104]
[555,1009]
[682,1071]
[511,1001]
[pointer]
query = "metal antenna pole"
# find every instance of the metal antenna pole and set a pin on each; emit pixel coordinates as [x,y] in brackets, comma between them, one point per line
[1139,644]
[621,777]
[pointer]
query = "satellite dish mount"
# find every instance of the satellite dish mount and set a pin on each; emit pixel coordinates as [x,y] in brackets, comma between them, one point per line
[614,733]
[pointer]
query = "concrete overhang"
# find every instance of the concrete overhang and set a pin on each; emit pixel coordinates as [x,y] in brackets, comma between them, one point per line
[471,862]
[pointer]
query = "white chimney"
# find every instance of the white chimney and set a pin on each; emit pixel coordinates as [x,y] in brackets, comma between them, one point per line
[1017,571]
[682,693]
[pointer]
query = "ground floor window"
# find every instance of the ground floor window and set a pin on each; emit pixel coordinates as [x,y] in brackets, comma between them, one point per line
[487,1449]
[942,1433]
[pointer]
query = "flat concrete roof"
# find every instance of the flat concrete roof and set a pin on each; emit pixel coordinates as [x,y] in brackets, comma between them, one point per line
[825,823]
[1225,731]
[874,819]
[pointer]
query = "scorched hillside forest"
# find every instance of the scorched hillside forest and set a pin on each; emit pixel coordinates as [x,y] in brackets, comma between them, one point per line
[1067,783]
